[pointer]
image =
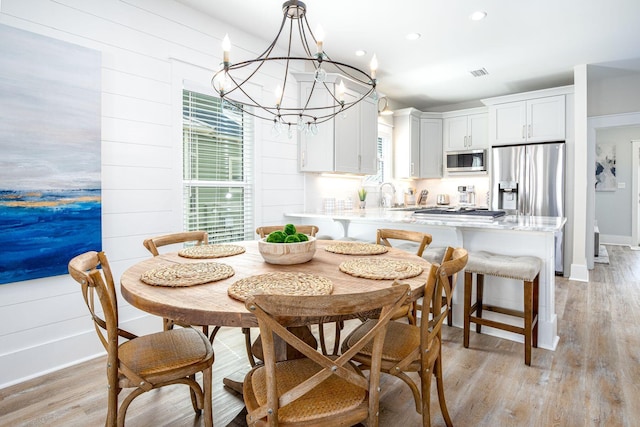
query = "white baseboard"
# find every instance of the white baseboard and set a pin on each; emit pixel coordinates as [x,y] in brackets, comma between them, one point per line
[612,239]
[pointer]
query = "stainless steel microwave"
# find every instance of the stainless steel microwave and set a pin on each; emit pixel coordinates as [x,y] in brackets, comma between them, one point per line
[467,161]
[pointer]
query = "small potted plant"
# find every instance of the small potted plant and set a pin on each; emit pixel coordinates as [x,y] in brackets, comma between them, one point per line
[362,195]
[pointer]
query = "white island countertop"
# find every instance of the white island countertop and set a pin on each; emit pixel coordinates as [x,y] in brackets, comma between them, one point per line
[507,222]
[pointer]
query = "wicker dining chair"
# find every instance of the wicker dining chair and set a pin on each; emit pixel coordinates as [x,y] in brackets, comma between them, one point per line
[153,243]
[419,242]
[316,389]
[146,362]
[410,348]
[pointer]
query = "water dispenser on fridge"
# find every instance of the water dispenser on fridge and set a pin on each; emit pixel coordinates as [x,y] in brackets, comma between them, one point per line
[508,196]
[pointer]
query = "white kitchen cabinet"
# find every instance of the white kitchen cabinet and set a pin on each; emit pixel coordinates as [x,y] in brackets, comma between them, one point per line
[356,134]
[430,148]
[417,141]
[406,143]
[465,132]
[532,120]
[345,144]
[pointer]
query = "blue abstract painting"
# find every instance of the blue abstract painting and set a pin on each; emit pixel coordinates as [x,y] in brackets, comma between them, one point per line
[50,186]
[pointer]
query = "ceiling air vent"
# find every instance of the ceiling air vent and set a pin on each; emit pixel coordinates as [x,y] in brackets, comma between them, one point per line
[479,73]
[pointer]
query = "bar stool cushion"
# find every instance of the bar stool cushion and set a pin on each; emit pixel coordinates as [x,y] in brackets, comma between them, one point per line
[511,267]
[434,254]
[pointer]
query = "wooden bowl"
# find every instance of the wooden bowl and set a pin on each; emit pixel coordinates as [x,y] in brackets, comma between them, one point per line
[287,253]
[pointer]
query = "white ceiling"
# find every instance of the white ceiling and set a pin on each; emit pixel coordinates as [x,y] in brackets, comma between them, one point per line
[524,45]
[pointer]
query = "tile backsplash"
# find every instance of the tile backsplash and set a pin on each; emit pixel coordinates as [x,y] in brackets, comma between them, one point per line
[342,192]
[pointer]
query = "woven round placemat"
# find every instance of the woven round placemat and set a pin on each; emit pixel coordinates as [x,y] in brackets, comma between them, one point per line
[187,274]
[354,248]
[211,251]
[381,268]
[281,284]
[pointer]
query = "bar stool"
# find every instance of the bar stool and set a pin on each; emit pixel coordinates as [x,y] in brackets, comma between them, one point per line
[525,268]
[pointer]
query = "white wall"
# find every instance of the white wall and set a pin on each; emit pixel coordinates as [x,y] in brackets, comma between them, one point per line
[149,47]
[614,90]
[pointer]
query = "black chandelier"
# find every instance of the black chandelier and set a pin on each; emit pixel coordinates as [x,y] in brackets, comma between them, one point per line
[231,81]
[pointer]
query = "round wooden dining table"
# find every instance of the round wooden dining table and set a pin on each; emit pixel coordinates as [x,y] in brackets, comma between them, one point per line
[210,304]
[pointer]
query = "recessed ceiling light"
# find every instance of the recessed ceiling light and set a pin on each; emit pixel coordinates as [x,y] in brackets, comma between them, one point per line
[361,52]
[478,15]
[413,36]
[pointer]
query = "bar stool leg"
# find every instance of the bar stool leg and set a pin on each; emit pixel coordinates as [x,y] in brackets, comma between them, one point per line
[479,297]
[468,285]
[536,290]
[528,320]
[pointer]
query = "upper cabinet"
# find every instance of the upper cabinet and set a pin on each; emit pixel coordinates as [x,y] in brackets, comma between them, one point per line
[345,144]
[417,141]
[356,137]
[406,143]
[430,147]
[539,117]
[465,130]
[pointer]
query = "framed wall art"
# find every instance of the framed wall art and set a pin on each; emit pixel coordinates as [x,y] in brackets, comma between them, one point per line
[50,186]
[606,167]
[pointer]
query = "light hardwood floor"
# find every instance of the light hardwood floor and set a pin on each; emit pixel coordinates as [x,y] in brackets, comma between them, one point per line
[592,379]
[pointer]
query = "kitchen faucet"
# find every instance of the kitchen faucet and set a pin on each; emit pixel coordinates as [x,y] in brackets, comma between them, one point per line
[383,200]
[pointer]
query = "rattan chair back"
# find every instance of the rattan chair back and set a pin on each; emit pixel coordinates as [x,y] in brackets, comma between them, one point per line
[152,244]
[316,389]
[384,235]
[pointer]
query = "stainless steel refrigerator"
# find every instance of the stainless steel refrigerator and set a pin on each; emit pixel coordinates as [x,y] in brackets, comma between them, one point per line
[529,180]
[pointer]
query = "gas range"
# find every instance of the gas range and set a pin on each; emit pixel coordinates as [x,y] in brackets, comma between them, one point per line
[471,212]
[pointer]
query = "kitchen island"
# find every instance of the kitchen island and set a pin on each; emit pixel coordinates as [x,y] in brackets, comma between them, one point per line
[508,235]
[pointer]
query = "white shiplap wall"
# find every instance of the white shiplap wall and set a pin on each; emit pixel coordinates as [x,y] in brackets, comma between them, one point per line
[149,48]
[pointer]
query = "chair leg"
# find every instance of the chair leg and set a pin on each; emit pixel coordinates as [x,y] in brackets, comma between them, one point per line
[440,387]
[194,398]
[247,344]
[479,298]
[323,342]
[167,324]
[468,284]
[425,383]
[207,385]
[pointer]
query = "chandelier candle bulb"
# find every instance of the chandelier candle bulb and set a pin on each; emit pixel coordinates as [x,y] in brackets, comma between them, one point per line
[341,90]
[319,39]
[278,94]
[374,66]
[226,48]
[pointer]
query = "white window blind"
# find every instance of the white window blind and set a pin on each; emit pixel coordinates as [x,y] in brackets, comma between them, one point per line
[218,169]
[379,177]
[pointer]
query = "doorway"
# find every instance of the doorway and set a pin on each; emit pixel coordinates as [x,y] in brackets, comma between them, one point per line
[635,211]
